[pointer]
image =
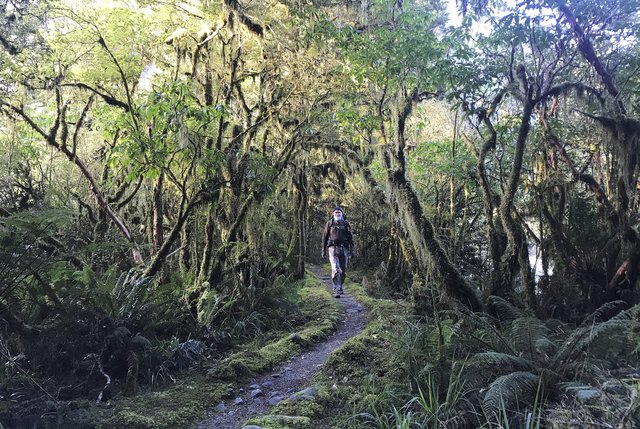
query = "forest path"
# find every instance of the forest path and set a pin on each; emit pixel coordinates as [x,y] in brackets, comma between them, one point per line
[289,377]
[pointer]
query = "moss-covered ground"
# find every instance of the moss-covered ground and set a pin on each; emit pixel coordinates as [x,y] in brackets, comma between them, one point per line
[392,375]
[370,381]
[184,403]
[353,376]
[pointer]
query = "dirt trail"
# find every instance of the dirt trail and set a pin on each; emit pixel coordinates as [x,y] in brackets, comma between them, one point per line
[261,393]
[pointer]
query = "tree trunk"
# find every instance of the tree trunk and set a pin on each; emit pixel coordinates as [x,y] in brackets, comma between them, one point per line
[431,257]
[186,238]
[294,252]
[185,212]
[302,226]
[429,251]
[158,214]
[515,240]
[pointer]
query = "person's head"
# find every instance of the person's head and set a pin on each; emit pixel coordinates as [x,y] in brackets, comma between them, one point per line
[337,213]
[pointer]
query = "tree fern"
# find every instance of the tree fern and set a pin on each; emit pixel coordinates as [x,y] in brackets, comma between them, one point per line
[545,346]
[479,329]
[582,369]
[557,326]
[631,314]
[582,338]
[509,360]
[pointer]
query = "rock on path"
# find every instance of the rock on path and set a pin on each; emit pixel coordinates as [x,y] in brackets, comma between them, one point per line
[263,392]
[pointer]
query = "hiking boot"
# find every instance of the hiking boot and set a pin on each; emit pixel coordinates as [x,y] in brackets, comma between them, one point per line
[337,292]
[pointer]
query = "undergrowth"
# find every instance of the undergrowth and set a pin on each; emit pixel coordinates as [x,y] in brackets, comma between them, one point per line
[185,402]
[456,369]
[194,376]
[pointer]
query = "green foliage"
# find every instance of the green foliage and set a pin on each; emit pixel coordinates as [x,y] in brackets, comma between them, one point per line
[181,355]
[434,408]
[176,128]
[266,304]
[483,372]
[130,293]
[505,391]
[31,264]
[216,112]
[176,406]
[531,361]
[583,222]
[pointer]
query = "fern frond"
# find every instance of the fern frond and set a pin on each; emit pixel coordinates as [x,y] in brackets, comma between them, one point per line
[545,346]
[569,386]
[130,293]
[556,326]
[582,338]
[631,314]
[579,370]
[526,332]
[502,361]
[502,308]
[481,329]
[604,312]
[508,390]
[483,367]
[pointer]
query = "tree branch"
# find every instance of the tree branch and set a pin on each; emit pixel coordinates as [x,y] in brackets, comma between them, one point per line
[109,99]
[588,52]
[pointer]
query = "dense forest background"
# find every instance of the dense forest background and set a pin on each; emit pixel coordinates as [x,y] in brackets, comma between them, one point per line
[166,169]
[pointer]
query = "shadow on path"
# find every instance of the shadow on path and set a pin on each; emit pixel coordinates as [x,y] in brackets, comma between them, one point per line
[261,393]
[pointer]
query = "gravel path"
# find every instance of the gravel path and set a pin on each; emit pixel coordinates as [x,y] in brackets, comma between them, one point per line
[261,393]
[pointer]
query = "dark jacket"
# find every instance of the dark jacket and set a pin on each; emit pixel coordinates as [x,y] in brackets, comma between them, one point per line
[337,233]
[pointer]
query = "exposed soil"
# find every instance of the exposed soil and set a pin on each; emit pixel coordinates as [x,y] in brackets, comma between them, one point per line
[261,393]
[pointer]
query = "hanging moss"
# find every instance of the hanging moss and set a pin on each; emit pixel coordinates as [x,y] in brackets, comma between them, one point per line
[431,256]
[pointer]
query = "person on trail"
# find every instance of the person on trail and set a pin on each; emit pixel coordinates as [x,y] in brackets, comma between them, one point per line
[338,240]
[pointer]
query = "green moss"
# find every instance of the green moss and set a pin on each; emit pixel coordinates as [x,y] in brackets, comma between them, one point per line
[127,419]
[361,376]
[281,422]
[379,308]
[322,313]
[278,352]
[303,407]
[184,403]
[176,407]
[223,371]
[364,354]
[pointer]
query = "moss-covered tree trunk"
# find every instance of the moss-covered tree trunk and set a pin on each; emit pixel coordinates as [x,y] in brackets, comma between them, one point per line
[430,254]
[297,242]
[431,257]
[510,261]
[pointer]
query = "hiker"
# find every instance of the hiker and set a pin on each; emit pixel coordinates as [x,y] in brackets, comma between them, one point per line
[338,239]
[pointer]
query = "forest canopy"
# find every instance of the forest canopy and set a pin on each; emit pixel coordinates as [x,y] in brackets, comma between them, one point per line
[166,168]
